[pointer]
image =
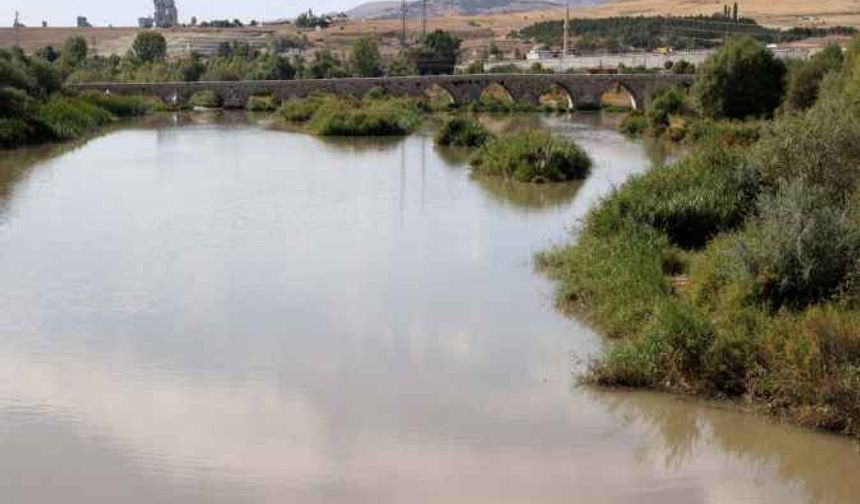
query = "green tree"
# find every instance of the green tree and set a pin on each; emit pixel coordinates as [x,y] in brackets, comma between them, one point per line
[149,46]
[439,53]
[401,65]
[324,65]
[741,80]
[663,106]
[74,51]
[364,58]
[804,78]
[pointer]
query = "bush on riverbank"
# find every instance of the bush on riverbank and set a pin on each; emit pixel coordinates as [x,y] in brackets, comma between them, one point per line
[734,272]
[261,104]
[532,156]
[69,118]
[205,99]
[634,124]
[462,132]
[118,105]
[302,110]
[328,115]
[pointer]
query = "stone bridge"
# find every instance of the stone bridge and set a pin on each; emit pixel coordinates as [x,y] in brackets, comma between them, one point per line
[583,91]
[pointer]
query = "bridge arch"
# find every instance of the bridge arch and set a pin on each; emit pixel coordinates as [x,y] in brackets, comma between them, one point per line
[497,92]
[617,89]
[556,95]
[439,93]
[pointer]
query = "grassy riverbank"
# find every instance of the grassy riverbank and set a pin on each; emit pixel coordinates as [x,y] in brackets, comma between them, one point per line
[33,108]
[735,272]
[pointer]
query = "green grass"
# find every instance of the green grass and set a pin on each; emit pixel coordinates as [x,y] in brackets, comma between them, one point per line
[118,105]
[68,118]
[302,110]
[375,115]
[532,156]
[261,104]
[205,99]
[462,132]
[708,192]
[350,117]
[734,272]
[634,124]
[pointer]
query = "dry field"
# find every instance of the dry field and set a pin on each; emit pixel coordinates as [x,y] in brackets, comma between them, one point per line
[476,31]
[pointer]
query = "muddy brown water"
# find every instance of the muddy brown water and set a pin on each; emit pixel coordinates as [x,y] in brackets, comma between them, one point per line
[206,310]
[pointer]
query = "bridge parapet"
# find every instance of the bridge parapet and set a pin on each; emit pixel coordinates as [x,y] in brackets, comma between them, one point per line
[584,91]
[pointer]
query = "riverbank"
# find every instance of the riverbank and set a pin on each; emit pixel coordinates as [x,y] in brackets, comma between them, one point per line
[733,274]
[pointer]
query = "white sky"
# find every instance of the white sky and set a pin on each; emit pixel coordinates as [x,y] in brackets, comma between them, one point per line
[126,12]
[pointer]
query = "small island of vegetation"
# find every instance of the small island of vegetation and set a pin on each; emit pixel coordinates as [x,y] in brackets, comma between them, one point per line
[532,156]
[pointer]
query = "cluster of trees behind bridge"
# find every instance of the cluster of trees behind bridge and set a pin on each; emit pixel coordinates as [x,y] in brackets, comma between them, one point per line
[286,58]
[686,32]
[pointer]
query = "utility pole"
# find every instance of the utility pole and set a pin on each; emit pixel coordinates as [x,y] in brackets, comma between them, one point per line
[17,27]
[423,19]
[566,43]
[403,12]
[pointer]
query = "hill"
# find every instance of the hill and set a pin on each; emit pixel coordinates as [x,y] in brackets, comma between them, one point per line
[440,8]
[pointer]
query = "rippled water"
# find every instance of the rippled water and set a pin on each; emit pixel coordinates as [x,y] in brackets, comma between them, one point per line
[212,310]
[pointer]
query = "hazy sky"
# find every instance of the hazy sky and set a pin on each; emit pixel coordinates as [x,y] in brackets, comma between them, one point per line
[126,12]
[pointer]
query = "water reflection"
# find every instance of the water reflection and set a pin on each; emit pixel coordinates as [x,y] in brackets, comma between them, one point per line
[222,313]
[528,196]
[679,431]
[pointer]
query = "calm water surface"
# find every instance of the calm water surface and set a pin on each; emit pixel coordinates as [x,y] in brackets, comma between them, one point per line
[205,311]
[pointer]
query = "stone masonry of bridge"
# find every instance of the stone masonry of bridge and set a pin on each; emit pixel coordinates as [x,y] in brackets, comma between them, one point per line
[583,91]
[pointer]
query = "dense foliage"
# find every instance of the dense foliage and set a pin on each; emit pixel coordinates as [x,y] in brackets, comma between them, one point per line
[462,132]
[32,109]
[741,80]
[149,46]
[371,116]
[365,59]
[532,156]
[735,271]
[688,32]
[805,77]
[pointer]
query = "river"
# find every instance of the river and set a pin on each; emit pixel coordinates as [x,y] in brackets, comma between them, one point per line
[205,310]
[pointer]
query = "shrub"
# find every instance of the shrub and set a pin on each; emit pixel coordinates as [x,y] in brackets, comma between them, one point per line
[635,362]
[149,46]
[205,99]
[118,105]
[532,156]
[800,249]
[298,110]
[69,118]
[708,192]
[376,93]
[804,78]
[462,132]
[15,132]
[261,104]
[663,106]
[741,80]
[822,146]
[347,117]
[365,59]
[617,280]
[634,124]
[727,133]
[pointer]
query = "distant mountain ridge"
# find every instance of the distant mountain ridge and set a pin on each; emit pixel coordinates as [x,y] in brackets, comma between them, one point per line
[438,8]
